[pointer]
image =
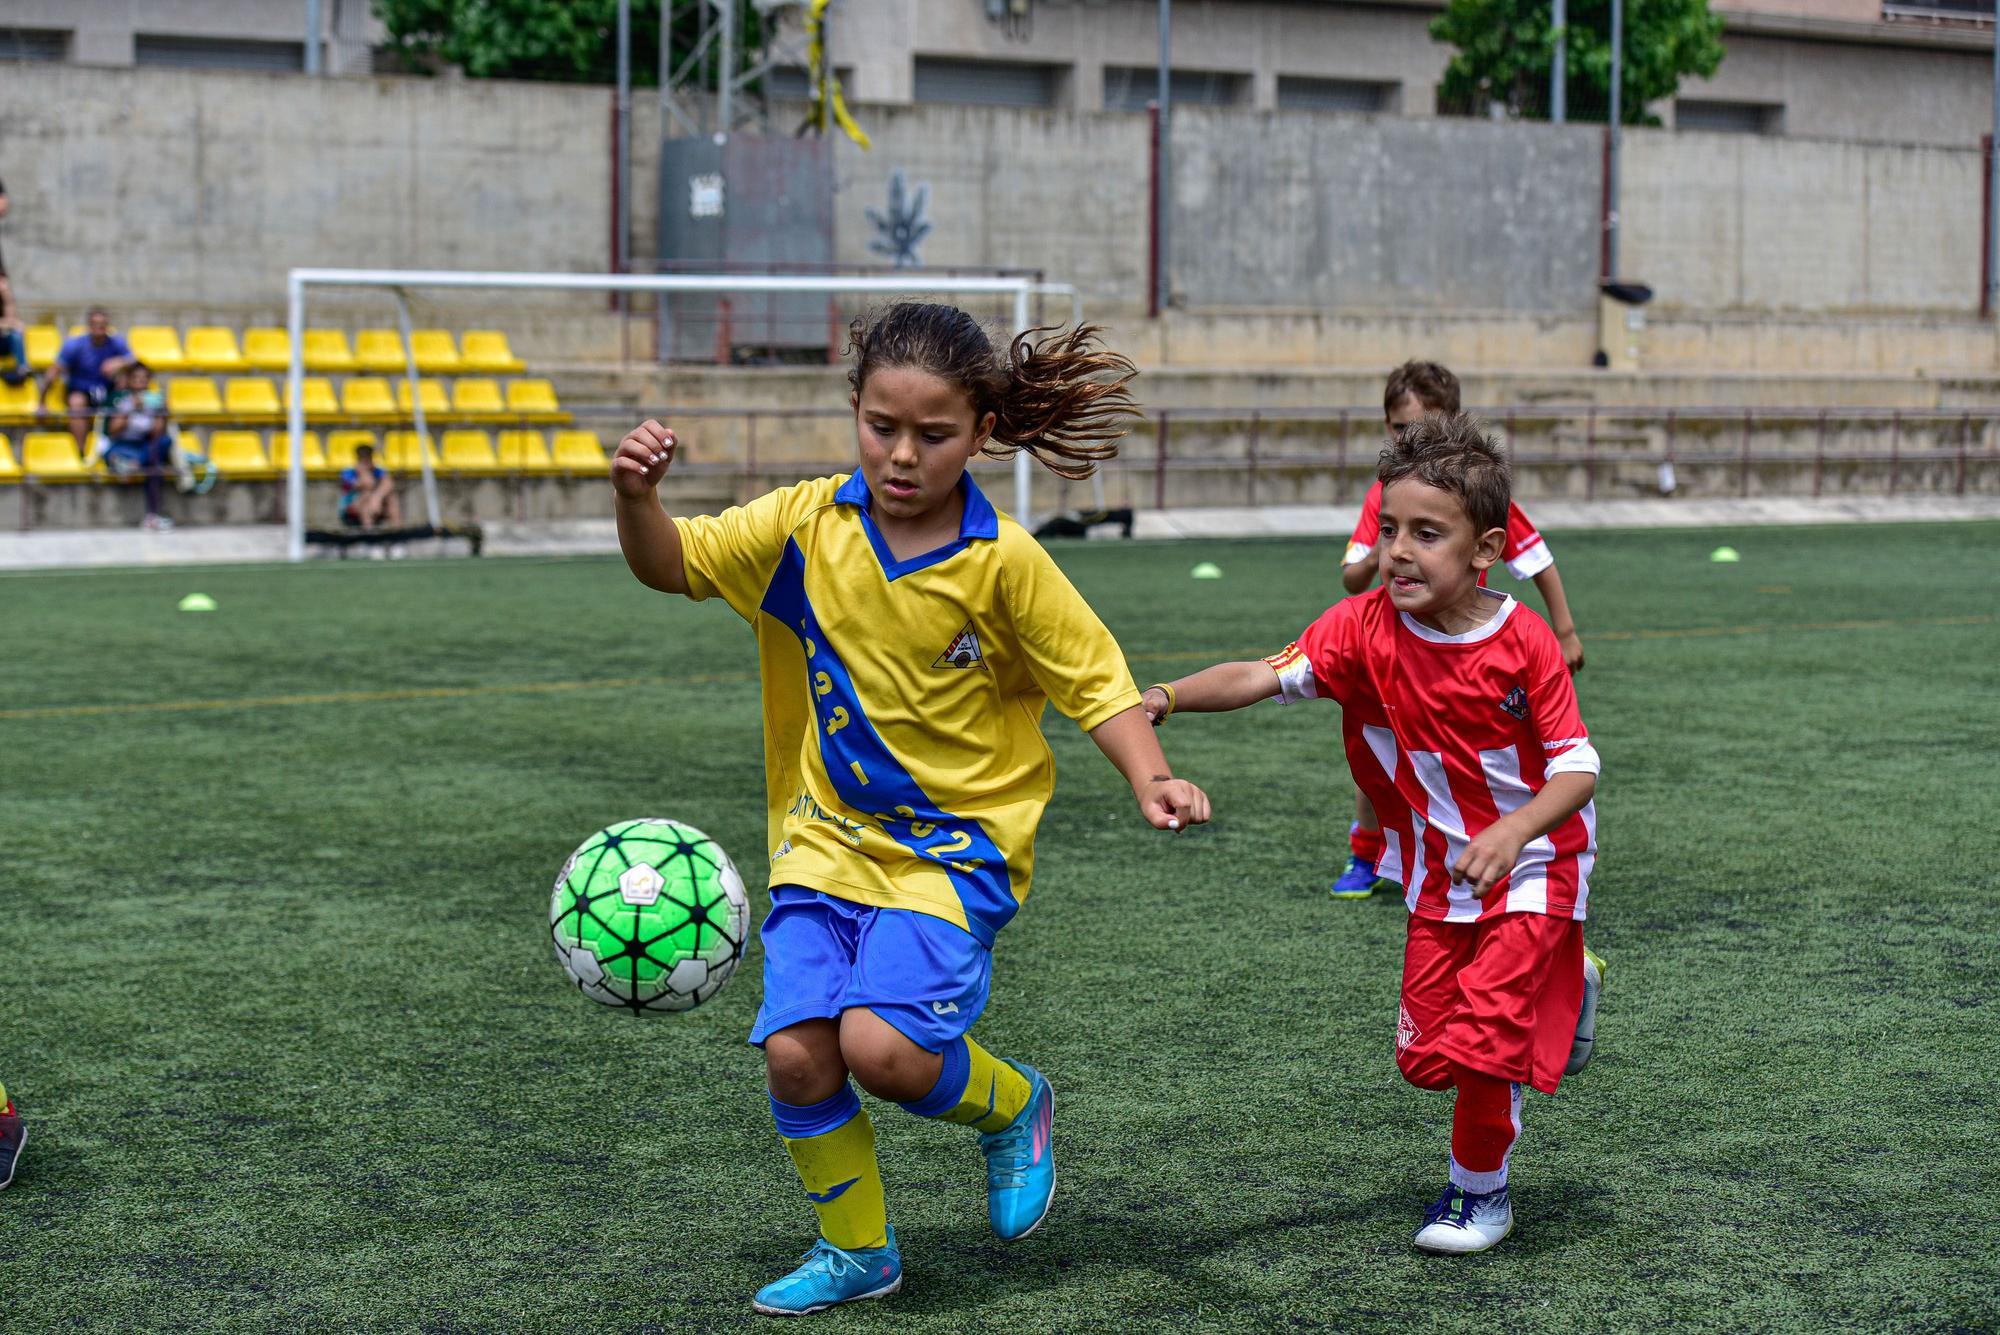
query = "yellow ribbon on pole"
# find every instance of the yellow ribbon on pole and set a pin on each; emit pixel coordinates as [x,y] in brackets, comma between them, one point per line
[826,97]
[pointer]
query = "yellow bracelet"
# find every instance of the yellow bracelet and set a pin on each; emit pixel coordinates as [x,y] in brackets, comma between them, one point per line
[1167,691]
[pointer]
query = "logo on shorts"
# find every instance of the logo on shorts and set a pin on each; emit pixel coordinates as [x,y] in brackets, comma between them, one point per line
[944,1007]
[1516,703]
[963,651]
[1406,1029]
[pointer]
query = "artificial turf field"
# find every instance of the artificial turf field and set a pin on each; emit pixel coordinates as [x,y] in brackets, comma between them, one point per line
[278,1003]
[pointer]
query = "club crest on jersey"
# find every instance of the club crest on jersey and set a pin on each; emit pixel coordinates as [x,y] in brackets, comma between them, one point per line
[963,651]
[1516,703]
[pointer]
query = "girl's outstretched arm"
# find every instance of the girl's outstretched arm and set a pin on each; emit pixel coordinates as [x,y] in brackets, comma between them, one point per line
[1167,803]
[1213,690]
[650,540]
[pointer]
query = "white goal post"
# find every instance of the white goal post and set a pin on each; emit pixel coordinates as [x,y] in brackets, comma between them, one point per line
[398,282]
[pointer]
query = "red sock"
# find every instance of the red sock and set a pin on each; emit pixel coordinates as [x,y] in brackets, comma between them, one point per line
[1484,1124]
[1367,844]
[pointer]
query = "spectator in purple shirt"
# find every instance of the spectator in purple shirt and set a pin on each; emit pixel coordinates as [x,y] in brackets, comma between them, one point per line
[88,363]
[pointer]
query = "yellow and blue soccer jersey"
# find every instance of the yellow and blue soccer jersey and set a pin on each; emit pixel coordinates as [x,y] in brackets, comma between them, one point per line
[902,699]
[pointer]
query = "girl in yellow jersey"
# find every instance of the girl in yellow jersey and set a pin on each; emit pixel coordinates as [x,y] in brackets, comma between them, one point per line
[908,637]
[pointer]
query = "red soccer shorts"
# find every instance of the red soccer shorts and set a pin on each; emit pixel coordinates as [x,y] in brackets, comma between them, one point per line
[1500,996]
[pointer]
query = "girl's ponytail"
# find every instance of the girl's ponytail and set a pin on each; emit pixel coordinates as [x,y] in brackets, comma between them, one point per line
[1066,400]
[1062,398]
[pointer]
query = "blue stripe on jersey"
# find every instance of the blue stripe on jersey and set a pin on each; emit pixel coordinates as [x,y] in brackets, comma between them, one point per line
[957,844]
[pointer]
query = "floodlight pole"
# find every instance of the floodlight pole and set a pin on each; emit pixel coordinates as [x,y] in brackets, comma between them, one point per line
[1993,189]
[1164,166]
[1617,137]
[624,257]
[314,65]
[1559,63]
[725,81]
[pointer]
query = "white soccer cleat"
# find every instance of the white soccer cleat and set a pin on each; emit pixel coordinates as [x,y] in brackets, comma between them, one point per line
[1466,1221]
[1586,1020]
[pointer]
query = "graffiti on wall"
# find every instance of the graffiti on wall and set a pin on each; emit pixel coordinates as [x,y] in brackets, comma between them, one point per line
[901,227]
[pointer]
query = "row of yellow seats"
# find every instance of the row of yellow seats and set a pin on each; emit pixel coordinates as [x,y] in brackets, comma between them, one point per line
[51,456]
[214,348]
[255,400]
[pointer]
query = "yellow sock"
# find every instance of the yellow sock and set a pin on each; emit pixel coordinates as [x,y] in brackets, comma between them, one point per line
[838,1168]
[989,1094]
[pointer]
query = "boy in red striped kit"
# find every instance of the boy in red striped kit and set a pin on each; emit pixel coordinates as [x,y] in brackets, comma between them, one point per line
[1461,726]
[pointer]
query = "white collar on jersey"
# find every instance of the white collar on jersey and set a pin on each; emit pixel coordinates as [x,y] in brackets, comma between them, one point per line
[1473,636]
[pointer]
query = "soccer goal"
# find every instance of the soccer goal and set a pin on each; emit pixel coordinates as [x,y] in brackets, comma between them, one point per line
[398,283]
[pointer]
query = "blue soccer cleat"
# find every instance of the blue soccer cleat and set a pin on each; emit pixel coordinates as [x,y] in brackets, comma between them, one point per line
[1466,1221]
[13,1135]
[1021,1163]
[830,1277]
[1356,882]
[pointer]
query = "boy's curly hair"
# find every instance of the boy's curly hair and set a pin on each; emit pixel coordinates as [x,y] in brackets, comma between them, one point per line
[1436,387]
[1453,453]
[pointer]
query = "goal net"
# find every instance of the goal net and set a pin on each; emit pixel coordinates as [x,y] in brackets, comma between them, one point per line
[1015,298]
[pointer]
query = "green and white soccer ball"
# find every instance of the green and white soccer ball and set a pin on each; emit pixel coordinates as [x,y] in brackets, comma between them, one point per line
[649,915]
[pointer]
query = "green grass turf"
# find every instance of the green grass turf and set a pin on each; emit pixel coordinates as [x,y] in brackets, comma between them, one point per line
[277,1000]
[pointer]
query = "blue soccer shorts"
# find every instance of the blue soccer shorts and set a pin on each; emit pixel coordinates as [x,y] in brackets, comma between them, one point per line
[823,955]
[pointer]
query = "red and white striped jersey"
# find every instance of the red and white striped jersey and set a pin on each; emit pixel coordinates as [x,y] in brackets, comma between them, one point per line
[1446,734]
[1526,553]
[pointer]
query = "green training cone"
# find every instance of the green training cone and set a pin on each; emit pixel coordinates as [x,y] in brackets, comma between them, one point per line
[1206,570]
[1724,555]
[197,602]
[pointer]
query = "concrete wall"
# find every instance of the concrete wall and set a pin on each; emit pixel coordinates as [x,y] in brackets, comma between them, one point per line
[1873,92]
[213,184]
[1735,222]
[104,32]
[1303,210]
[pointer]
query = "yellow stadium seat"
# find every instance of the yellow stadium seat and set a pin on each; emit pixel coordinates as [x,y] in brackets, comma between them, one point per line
[367,399]
[267,349]
[340,447]
[436,353]
[57,399]
[239,454]
[309,451]
[44,342]
[534,401]
[477,399]
[158,346]
[486,350]
[525,452]
[252,400]
[380,350]
[579,452]
[50,456]
[17,402]
[468,452]
[400,449]
[320,403]
[213,348]
[9,470]
[327,352]
[193,398]
[436,402]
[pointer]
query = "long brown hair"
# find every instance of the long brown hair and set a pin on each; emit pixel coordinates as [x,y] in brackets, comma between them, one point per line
[1062,398]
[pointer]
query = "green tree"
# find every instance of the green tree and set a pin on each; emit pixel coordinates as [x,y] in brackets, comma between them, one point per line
[1505,50]
[568,41]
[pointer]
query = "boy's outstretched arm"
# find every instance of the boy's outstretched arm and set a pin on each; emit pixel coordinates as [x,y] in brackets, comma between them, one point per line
[1213,690]
[1494,850]
[650,540]
[1560,621]
[1167,803]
